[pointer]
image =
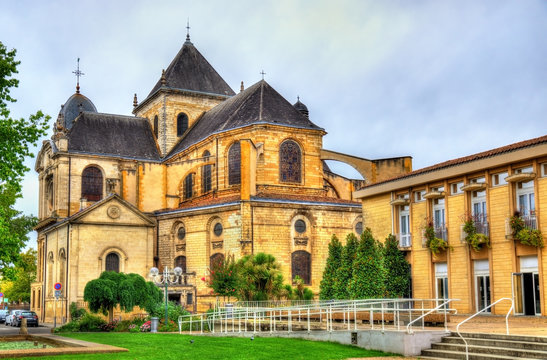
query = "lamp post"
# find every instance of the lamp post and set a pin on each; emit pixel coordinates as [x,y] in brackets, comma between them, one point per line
[167,278]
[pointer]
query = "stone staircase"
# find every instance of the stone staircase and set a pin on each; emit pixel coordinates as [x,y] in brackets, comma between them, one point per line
[488,346]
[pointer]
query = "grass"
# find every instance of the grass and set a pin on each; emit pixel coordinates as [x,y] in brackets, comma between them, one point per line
[175,346]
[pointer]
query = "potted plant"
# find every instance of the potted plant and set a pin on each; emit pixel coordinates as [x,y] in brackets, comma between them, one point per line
[522,233]
[434,244]
[473,238]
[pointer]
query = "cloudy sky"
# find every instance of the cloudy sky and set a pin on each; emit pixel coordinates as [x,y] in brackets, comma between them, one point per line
[433,79]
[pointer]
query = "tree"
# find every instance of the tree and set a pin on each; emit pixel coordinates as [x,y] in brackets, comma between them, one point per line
[343,275]
[223,277]
[124,290]
[397,269]
[17,136]
[22,275]
[301,292]
[334,260]
[260,278]
[368,276]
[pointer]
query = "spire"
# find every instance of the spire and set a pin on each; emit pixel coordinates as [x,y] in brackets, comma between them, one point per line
[78,73]
[163,80]
[188,31]
[135,102]
[242,87]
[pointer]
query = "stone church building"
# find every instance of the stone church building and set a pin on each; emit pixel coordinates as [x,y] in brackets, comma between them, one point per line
[197,174]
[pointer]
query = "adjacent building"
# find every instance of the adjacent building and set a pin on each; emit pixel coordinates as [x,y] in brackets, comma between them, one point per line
[486,194]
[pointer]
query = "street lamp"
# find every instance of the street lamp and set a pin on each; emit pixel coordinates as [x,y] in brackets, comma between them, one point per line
[167,278]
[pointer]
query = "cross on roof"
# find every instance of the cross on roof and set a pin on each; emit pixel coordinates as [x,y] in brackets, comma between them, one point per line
[78,73]
[262,73]
[188,30]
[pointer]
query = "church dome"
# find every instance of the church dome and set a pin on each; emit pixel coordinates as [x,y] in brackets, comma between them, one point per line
[73,107]
[303,109]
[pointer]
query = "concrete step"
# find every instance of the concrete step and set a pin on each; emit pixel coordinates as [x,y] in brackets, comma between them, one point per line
[528,345]
[514,353]
[535,339]
[448,354]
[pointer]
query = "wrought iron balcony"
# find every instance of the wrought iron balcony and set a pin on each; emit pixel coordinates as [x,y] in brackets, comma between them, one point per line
[441,232]
[530,222]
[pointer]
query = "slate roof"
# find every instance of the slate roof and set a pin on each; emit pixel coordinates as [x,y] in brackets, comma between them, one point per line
[73,106]
[189,70]
[258,104]
[115,135]
[454,162]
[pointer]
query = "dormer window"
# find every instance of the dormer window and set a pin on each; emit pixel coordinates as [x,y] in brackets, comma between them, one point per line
[182,124]
[92,184]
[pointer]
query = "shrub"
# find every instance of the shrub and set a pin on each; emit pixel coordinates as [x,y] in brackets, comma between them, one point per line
[171,326]
[91,323]
[368,275]
[530,237]
[145,327]
[75,312]
[72,326]
[173,311]
[133,328]
[343,275]
[122,326]
[474,239]
[397,269]
[434,244]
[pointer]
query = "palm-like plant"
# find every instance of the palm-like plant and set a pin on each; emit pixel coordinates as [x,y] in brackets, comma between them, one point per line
[260,278]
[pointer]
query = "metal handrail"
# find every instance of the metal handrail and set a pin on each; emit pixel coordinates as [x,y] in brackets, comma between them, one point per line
[477,313]
[408,327]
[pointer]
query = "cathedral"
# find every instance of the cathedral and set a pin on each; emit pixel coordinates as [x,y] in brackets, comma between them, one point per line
[198,173]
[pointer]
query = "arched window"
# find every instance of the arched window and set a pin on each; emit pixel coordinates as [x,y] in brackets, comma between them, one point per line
[92,184]
[180,261]
[301,265]
[216,259]
[182,124]
[234,164]
[49,192]
[156,126]
[62,268]
[112,262]
[188,186]
[290,162]
[50,262]
[206,174]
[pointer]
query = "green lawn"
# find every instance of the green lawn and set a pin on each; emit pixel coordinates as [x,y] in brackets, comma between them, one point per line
[175,346]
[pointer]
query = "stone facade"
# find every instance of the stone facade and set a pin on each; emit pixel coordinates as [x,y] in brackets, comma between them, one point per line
[188,187]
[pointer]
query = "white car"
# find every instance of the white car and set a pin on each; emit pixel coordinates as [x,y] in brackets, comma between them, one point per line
[11,316]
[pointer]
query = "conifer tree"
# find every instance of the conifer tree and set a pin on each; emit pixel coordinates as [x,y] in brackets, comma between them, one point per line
[326,288]
[368,276]
[397,269]
[343,275]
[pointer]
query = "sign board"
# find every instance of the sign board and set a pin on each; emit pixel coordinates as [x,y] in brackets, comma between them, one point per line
[57,293]
[1,294]
[5,300]
[57,286]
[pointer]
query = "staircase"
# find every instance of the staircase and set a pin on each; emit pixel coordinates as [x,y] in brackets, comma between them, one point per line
[488,346]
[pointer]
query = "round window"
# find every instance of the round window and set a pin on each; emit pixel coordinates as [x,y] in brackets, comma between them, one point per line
[218,229]
[181,233]
[359,228]
[300,226]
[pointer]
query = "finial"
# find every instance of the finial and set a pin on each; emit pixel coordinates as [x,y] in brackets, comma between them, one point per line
[135,102]
[188,30]
[163,80]
[242,87]
[297,98]
[78,73]
[262,73]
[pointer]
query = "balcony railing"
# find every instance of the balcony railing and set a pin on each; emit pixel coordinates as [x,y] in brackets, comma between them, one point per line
[405,240]
[441,232]
[481,227]
[530,222]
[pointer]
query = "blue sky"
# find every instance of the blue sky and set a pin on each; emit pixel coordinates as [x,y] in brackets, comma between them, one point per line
[435,80]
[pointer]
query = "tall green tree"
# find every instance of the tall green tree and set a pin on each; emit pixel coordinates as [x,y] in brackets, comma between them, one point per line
[17,137]
[223,277]
[368,276]
[260,278]
[334,260]
[113,289]
[344,273]
[397,269]
[23,274]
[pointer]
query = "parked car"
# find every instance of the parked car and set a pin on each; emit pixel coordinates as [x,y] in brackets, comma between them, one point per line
[3,314]
[32,318]
[10,317]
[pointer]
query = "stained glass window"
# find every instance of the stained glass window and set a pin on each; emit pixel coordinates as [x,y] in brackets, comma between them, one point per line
[301,265]
[156,126]
[112,262]
[206,174]
[234,164]
[300,226]
[181,233]
[216,259]
[92,184]
[182,124]
[180,261]
[290,162]
[217,229]
[188,186]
